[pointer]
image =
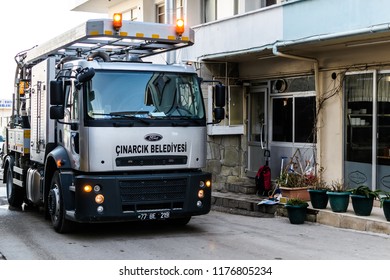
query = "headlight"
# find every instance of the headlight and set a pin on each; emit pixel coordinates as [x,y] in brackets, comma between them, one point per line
[201,194]
[99,199]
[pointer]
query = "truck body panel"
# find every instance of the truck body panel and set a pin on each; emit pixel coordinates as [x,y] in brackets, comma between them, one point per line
[42,127]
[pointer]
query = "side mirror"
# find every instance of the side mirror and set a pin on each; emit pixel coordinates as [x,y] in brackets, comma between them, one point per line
[220,95]
[219,114]
[86,75]
[57,112]
[56,93]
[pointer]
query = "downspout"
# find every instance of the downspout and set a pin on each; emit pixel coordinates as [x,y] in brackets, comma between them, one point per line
[276,52]
[170,19]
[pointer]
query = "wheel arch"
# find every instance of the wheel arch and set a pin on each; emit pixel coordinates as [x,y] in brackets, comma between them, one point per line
[57,159]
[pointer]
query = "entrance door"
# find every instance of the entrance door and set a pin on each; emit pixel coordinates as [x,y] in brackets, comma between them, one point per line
[258,129]
[382,123]
[367,130]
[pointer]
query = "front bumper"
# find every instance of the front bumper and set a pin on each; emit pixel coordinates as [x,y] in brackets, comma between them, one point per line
[138,197]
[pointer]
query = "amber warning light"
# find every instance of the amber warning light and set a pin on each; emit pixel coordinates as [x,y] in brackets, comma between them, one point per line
[179,27]
[117,21]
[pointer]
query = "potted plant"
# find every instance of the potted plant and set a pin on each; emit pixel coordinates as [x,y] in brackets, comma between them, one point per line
[293,185]
[385,204]
[317,190]
[318,195]
[296,210]
[363,200]
[338,196]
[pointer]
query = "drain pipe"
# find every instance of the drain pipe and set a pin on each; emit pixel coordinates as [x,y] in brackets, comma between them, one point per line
[276,52]
[170,19]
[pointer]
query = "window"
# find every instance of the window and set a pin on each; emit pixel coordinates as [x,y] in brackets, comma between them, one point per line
[144,95]
[180,9]
[218,9]
[131,14]
[160,12]
[270,2]
[234,112]
[293,110]
[72,102]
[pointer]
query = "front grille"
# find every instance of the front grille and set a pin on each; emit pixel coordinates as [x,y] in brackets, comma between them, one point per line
[151,160]
[152,194]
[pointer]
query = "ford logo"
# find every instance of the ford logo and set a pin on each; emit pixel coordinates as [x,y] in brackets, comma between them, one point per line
[153,137]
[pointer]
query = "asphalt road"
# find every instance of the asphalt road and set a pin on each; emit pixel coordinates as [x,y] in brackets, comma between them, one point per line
[216,236]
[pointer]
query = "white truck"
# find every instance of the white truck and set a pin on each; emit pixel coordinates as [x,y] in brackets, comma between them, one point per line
[97,135]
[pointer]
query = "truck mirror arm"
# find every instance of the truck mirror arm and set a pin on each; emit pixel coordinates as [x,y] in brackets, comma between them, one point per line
[73,126]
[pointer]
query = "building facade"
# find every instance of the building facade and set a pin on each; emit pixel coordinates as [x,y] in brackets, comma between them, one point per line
[5,114]
[307,80]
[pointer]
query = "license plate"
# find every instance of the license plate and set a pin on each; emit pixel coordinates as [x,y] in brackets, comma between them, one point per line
[154,215]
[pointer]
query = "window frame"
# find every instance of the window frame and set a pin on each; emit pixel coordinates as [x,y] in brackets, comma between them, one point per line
[293,95]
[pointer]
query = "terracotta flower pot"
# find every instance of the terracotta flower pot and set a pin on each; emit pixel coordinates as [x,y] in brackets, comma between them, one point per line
[299,192]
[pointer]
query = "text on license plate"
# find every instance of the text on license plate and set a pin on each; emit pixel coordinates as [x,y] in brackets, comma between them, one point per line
[154,215]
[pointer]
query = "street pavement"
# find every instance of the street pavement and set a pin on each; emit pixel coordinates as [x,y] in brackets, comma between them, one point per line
[3,190]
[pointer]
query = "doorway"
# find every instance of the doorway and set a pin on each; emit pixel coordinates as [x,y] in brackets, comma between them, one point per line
[367,130]
[257,128]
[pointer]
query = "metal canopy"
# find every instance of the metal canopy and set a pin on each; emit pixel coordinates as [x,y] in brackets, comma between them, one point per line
[133,38]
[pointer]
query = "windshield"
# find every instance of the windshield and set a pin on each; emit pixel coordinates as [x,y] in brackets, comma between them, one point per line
[121,94]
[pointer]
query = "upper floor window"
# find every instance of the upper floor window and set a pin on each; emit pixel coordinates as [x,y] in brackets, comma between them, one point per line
[218,9]
[160,12]
[179,8]
[131,14]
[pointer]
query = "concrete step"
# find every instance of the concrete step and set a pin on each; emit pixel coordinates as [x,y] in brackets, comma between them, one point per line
[243,204]
[241,187]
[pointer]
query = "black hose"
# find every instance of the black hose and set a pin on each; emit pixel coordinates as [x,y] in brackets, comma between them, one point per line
[102,55]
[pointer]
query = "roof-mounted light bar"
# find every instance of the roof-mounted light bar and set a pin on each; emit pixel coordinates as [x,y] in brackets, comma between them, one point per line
[117,21]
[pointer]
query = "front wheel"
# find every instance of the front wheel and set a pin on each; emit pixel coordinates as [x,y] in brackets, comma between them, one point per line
[56,206]
[14,193]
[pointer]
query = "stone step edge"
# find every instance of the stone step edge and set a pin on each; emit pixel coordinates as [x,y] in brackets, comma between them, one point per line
[239,204]
[246,205]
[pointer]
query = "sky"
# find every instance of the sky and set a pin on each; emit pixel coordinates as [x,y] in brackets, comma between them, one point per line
[26,23]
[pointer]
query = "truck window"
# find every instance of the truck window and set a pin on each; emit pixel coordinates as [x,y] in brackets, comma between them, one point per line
[72,93]
[115,94]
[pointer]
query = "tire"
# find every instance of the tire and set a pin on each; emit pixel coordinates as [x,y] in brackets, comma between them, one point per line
[15,194]
[56,206]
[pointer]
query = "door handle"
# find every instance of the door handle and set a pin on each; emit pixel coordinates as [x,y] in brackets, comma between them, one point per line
[262,142]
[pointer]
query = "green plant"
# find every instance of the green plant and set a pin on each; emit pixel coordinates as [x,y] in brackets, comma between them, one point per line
[297,202]
[365,191]
[318,184]
[384,196]
[291,180]
[337,186]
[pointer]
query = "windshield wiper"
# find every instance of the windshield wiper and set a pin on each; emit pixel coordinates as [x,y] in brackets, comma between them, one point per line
[127,115]
[184,121]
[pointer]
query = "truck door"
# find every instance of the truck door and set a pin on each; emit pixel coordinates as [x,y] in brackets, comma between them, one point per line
[72,116]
